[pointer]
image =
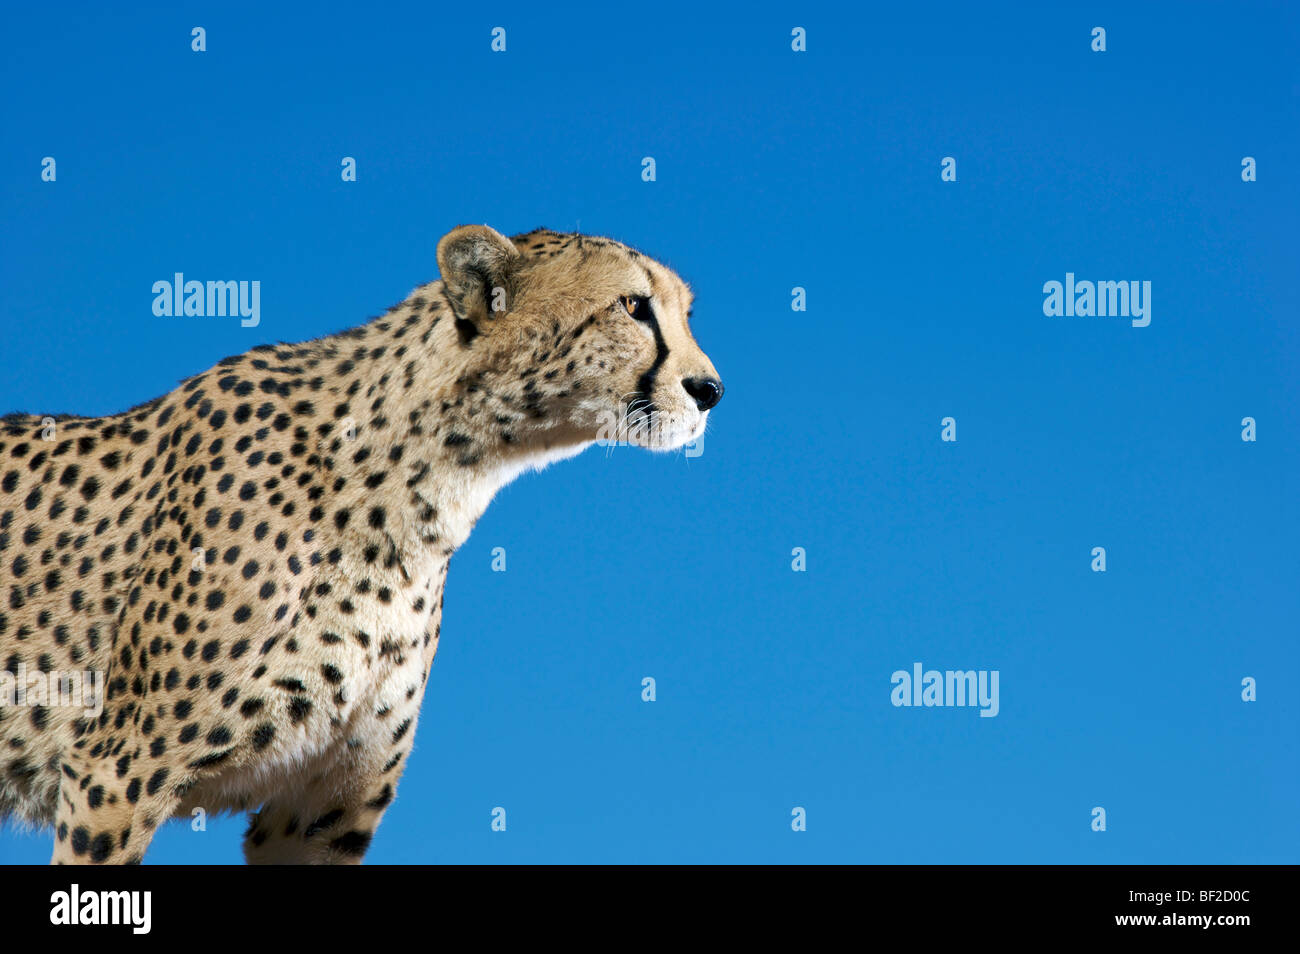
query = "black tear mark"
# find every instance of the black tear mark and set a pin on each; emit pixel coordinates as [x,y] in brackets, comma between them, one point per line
[646,383]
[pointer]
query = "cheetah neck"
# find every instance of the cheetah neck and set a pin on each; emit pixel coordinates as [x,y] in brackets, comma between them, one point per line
[430,427]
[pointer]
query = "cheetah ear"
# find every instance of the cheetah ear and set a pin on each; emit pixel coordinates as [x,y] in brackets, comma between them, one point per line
[475,261]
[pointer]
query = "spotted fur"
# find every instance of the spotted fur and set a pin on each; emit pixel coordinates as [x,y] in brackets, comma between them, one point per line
[256,560]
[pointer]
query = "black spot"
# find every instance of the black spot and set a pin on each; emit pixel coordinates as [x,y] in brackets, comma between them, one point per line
[156,781]
[325,821]
[354,843]
[263,735]
[216,758]
[101,847]
[81,840]
[401,730]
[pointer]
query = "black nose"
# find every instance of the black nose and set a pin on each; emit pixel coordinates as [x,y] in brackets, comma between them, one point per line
[706,391]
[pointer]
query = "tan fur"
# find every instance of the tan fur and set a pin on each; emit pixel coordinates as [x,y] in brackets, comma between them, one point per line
[256,560]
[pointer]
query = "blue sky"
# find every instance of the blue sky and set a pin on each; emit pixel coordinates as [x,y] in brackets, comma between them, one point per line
[775,169]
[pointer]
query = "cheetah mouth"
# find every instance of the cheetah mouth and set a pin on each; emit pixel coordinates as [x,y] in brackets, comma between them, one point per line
[658,431]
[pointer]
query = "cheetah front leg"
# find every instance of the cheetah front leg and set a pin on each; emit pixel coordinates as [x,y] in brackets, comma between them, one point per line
[104,817]
[332,818]
[319,827]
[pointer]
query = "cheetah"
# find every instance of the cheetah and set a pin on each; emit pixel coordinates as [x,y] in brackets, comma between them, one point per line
[254,563]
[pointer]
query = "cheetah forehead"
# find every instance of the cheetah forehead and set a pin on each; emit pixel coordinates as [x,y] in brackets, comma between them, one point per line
[563,262]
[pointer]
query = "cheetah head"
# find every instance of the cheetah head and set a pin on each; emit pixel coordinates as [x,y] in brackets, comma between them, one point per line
[588,337]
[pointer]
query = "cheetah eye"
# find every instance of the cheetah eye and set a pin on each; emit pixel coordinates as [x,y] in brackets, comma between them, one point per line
[637,306]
